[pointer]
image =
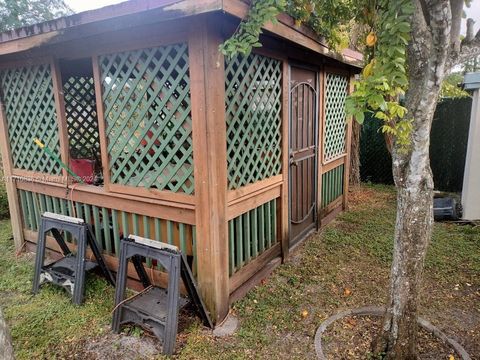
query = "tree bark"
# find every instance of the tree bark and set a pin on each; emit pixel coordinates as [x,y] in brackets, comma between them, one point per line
[355,155]
[6,349]
[427,58]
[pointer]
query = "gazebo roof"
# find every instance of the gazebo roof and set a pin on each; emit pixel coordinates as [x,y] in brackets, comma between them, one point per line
[137,12]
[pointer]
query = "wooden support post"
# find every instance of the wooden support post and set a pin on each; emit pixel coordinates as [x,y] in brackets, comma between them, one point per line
[12,195]
[102,132]
[348,146]
[210,165]
[61,115]
[284,210]
[321,142]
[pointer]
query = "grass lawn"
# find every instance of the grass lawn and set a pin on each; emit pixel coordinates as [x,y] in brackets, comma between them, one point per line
[345,265]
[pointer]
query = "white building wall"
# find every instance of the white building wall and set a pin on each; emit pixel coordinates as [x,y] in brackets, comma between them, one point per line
[471,180]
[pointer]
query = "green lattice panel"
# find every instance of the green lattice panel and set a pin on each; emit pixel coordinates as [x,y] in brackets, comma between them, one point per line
[146,95]
[81,113]
[336,91]
[30,113]
[253,114]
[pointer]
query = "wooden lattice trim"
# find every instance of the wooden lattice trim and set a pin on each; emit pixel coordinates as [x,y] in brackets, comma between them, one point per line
[28,97]
[253,95]
[146,98]
[336,91]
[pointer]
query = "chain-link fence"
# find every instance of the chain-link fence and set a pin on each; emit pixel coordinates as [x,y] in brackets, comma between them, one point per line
[449,139]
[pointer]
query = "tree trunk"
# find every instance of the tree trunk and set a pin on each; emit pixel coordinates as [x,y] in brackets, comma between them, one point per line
[6,349]
[413,228]
[355,155]
[412,236]
[427,56]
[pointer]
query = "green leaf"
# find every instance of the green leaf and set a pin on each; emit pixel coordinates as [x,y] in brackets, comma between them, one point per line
[360,117]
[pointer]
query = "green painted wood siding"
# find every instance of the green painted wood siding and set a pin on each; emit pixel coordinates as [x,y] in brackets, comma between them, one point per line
[146,96]
[253,97]
[109,225]
[250,234]
[30,113]
[332,185]
[336,91]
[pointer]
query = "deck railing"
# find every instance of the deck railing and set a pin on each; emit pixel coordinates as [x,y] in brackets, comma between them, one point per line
[109,225]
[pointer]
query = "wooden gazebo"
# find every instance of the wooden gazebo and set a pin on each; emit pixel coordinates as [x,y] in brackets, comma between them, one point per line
[233,160]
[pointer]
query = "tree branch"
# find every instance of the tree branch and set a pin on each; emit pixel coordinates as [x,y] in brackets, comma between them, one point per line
[456,8]
[470,35]
[469,47]
[419,49]
[426,15]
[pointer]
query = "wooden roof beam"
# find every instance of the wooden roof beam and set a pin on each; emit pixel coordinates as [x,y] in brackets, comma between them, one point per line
[300,35]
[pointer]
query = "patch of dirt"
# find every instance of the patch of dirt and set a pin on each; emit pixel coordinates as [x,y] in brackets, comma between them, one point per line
[362,195]
[351,338]
[114,347]
[455,309]
[132,343]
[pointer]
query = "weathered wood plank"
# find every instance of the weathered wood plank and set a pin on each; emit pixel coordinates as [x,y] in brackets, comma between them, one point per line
[12,195]
[284,217]
[210,170]
[250,203]
[153,193]
[101,122]
[346,172]
[335,203]
[334,164]
[252,190]
[254,266]
[61,115]
[94,195]
[321,126]
[333,213]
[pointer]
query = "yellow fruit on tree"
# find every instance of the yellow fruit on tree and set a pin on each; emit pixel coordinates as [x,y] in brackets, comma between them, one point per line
[368,69]
[371,39]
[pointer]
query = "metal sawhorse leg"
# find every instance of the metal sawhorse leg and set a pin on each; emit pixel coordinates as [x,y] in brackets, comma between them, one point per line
[154,308]
[68,272]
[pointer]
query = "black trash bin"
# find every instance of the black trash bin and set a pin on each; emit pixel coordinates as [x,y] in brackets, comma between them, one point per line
[445,208]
